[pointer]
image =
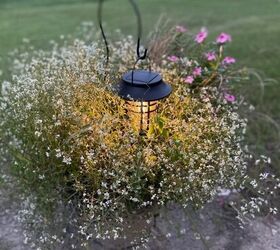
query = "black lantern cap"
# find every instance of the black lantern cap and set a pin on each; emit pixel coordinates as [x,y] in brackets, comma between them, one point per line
[142,85]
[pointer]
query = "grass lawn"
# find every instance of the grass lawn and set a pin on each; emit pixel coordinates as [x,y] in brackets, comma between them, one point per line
[254,25]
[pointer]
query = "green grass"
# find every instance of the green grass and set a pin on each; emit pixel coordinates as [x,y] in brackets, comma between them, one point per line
[254,25]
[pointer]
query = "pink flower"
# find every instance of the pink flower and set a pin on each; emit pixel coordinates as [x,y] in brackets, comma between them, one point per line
[229,98]
[223,38]
[197,71]
[173,58]
[229,60]
[181,29]
[201,36]
[189,79]
[211,56]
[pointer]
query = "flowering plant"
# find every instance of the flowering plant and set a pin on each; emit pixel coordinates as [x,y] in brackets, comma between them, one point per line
[71,142]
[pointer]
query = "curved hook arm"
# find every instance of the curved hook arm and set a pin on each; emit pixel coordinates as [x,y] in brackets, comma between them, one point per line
[139,33]
[99,15]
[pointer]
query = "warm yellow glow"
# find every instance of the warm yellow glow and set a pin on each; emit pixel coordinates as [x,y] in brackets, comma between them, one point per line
[141,114]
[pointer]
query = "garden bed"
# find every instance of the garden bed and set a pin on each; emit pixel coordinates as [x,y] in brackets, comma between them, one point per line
[87,177]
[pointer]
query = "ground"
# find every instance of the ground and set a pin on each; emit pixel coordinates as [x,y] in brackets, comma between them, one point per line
[214,223]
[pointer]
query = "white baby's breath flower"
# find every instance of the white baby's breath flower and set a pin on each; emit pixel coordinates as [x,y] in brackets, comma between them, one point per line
[67,160]
[38,133]
[58,153]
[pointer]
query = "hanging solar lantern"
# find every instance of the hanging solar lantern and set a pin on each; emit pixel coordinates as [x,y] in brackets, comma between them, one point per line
[142,91]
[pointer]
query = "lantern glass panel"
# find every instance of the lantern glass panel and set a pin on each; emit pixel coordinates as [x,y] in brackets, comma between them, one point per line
[141,114]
